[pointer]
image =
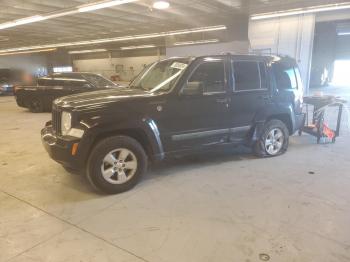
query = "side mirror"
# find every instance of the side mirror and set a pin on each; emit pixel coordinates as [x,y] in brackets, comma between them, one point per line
[193,88]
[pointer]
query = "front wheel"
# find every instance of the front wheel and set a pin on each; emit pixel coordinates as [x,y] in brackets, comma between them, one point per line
[273,141]
[36,105]
[116,164]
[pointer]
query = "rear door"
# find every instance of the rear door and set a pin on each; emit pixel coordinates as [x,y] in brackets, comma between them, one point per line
[250,94]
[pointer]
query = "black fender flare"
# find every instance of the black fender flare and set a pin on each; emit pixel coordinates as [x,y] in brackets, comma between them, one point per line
[272,112]
[147,127]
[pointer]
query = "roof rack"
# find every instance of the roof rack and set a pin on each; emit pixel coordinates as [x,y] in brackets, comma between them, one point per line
[254,52]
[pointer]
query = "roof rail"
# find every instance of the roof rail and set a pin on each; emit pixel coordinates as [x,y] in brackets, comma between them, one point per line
[253,52]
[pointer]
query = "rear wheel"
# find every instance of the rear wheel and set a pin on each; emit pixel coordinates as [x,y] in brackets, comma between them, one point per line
[273,141]
[36,106]
[116,164]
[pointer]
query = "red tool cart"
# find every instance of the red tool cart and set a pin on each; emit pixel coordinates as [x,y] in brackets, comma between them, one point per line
[314,118]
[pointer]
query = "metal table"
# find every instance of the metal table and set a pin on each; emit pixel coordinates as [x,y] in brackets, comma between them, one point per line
[318,127]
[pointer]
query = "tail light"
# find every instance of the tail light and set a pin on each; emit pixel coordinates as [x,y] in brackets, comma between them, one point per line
[15,88]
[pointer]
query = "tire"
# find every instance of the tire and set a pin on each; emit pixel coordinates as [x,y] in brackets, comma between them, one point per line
[116,164]
[262,147]
[72,170]
[36,106]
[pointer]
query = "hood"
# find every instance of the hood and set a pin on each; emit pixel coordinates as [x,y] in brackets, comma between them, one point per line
[99,99]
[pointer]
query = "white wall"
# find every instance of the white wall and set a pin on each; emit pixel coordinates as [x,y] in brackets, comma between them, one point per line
[107,66]
[291,36]
[208,49]
[30,63]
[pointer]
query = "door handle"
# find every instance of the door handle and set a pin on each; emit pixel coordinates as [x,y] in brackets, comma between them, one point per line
[222,100]
[264,97]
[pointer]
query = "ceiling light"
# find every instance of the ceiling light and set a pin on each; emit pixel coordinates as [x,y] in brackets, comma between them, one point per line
[343,33]
[65,12]
[161,5]
[120,39]
[87,51]
[137,47]
[7,25]
[197,42]
[29,20]
[103,4]
[22,21]
[314,9]
[28,52]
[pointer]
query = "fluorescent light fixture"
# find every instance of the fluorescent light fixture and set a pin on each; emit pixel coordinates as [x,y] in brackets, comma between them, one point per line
[87,51]
[120,39]
[343,33]
[137,47]
[197,42]
[65,12]
[29,20]
[103,4]
[63,69]
[299,11]
[23,21]
[161,5]
[7,25]
[27,52]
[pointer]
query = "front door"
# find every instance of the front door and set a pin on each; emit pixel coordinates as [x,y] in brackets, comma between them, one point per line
[198,117]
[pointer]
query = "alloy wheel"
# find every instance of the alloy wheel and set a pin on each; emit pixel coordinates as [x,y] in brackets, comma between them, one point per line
[119,166]
[274,141]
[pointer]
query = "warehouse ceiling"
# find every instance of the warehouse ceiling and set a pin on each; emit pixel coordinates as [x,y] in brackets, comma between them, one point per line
[132,19]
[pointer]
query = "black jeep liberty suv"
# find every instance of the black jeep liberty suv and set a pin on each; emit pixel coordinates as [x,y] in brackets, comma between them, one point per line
[175,107]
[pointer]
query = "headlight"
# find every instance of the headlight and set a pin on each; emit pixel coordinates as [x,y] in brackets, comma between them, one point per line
[66,126]
[66,123]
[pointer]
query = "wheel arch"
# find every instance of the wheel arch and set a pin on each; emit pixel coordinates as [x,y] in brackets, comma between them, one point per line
[285,118]
[258,127]
[146,134]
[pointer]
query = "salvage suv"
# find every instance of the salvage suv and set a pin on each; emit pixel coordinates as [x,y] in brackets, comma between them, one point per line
[175,107]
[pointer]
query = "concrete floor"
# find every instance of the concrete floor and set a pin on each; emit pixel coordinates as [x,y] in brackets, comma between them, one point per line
[217,207]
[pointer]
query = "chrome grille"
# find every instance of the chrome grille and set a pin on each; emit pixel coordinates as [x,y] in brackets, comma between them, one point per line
[56,121]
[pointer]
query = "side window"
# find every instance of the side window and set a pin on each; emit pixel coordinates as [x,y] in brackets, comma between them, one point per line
[211,76]
[75,83]
[246,75]
[300,82]
[285,77]
[45,82]
[263,75]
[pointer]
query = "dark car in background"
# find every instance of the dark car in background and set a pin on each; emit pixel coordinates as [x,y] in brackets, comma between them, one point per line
[9,78]
[38,98]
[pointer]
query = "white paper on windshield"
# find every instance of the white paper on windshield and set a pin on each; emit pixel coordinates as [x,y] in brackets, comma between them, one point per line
[179,65]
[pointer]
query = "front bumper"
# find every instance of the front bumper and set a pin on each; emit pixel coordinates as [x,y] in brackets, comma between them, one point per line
[60,149]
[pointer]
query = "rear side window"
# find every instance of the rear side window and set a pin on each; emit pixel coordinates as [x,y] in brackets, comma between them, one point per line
[246,75]
[61,81]
[46,82]
[300,82]
[285,77]
[263,75]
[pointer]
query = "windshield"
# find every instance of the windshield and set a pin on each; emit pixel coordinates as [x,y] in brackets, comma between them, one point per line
[98,80]
[160,76]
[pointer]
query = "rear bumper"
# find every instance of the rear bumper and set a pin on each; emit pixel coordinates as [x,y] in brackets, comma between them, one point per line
[60,149]
[299,122]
